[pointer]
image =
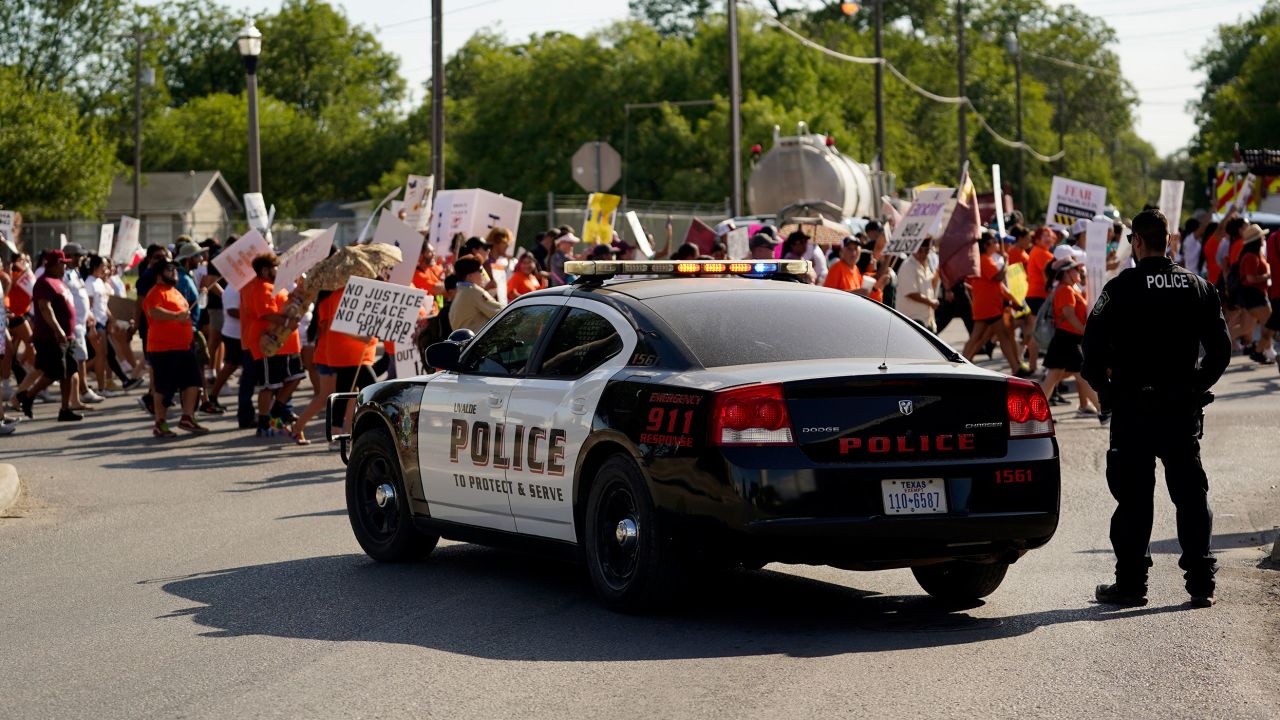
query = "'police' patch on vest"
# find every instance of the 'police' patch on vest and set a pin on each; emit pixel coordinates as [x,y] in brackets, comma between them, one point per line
[1103,299]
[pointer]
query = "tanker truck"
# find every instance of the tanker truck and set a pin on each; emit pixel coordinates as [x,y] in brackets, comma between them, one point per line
[807,169]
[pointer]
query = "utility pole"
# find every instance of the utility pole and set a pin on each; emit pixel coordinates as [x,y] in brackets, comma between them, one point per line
[437,94]
[1012,45]
[964,120]
[735,110]
[879,21]
[137,123]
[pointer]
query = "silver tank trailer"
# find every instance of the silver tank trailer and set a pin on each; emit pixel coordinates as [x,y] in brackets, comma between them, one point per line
[803,167]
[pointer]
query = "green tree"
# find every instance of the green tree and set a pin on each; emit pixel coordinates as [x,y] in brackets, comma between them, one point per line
[53,162]
[46,40]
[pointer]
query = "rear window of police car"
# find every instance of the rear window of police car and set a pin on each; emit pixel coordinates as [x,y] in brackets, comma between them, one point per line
[745,327]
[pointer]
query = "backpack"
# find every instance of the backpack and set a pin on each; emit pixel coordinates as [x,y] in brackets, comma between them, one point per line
[1045,327]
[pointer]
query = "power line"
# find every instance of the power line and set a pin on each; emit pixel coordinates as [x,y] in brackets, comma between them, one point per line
[424,18]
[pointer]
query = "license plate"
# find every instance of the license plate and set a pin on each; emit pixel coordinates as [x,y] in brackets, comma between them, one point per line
[926,496]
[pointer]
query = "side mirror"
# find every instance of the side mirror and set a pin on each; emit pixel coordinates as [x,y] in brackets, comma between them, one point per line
[445,355]
[461,336]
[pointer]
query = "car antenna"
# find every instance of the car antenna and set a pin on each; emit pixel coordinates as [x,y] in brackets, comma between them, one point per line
[884,363]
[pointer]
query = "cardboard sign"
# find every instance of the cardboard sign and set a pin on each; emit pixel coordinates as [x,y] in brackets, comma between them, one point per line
[122,308]
[701,235]
[920,221]
[1171,203]
[303,256]
[408,361]
[642,240]
[737,242]
[372,308]
[393,232]
[998,192]
[602,210]
[126,242]
[8,221]
[235,262]
[417,201]
[255,210]
[1071,200]
[473,213]
[1095,261]
[105,234]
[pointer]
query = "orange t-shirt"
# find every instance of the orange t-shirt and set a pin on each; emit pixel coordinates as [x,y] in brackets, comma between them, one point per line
[429,278]
[18,300]
[337,349]
[988,297]
[523,284]
[1066,296]
[842,277]
[1211,258]
[1233,253]
[1253,264]
[1037,261]
[257,300]
[167,335]
[1017,255]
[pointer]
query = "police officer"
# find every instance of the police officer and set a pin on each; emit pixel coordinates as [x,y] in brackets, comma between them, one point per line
[1141,347]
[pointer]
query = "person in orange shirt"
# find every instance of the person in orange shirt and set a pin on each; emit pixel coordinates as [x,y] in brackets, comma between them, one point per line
[989,297]
[344,363]
[170,353]
[1022,252]
[525,279]
[18,302]
[1253,276]
[275,377]
[844,273]
[1064,358]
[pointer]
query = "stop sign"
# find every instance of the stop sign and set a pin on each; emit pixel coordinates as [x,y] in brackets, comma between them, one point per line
[597,166]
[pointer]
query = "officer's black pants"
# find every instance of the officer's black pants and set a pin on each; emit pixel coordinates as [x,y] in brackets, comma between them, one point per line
[1137,439]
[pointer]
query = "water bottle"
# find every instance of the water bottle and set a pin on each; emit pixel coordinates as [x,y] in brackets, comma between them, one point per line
[203,300]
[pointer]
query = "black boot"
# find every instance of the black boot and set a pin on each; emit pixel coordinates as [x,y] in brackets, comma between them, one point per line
[1134,596]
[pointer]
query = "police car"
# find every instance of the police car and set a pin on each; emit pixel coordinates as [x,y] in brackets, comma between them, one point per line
[687,417]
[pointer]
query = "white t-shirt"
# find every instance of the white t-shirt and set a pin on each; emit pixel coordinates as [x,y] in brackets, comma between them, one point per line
[79,295]
[1191,253]
[915,278]
[230,301]
[99,291]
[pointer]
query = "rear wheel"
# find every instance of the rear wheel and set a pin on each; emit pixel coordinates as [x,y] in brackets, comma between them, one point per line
[378,506]
[629,553]
[960,581]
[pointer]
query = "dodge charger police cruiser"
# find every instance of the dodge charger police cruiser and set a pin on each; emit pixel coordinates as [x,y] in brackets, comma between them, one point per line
[652,417]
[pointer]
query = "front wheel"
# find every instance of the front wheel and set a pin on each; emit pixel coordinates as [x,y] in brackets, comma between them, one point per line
[377,505]
[629,552]
[959,581]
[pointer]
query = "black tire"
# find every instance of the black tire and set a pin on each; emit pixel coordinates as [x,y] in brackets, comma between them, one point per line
[387,534]
[633,574]
[958,581]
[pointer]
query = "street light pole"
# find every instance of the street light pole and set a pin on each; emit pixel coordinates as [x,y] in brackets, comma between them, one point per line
[137,124]
[1011,44]
[879,22]
[250,44]
[437,94]
[735,110]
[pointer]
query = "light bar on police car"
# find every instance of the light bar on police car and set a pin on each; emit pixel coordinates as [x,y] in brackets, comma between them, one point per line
[609,268]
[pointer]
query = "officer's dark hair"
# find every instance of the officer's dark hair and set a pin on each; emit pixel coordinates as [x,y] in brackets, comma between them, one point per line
[1234,227]
[465,265]
[1153,228]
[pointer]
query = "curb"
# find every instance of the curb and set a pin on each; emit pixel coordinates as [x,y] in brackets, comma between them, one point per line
[9,486]
[1275,551]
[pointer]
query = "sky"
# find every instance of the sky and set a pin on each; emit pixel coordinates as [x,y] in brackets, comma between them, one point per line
[1157,40]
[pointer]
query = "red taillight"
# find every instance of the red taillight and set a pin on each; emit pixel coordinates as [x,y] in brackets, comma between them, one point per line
[755,415]
[1029,414]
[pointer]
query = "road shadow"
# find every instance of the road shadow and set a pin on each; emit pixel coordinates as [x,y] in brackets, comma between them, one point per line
[495,604]
[289,480]
[1222,541]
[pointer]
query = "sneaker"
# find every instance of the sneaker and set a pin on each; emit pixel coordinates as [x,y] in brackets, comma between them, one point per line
[1116,595]
[8,428]
[1086,412]
[147,403]
[1261,358]
[1203,601]
[1104,419]
[25,403]
[1023,372]
[69,416]
[91,397]
[1057,399]
[162,430]
[132,383]
[10,420]
[211,408]
[189,424]
[47,396]
[109,393]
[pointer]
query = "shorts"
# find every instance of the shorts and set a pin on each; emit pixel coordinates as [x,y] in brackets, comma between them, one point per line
[1064,352]
[216,318]
[55,361]
[273,373]
[1250,298]
[1035,304]
[232,355]
[326,370]
[79,348]
[173,371]
[993,318]
[16,321]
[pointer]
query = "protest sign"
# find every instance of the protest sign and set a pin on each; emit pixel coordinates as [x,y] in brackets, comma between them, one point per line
[1095,261]
[736,240]
[1171,203]
[602,210]
[393,232]
[9,221]
[126,242]
[471,213]
[26,282]
[1071,200]
[105,235]
[998,190]
[372,308]
[122,308]
[919,221]
[417,201]
[255,210]
[642,240]
[235,262]
[1246,192]
[303,256]
[1015,278]
[364,231]
[701,235]
[409,361]
[62,240]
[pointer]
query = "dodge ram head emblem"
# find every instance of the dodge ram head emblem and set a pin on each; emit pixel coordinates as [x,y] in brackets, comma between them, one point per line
[905,407]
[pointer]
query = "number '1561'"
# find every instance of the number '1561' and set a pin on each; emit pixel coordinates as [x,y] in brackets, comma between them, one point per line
[1010,476]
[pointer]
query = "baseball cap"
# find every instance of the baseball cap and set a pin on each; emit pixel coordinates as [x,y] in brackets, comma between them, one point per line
[1079,226]
[73,249]
[1062,252]
[476,243]
[52,255]
[567,237]
[1067,264]
[760,240]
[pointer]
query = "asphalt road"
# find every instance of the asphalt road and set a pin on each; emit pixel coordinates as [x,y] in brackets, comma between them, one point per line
[217,577]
